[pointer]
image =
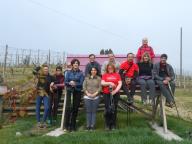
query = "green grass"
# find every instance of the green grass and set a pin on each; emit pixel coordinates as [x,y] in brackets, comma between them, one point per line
[138,132]
[183,99]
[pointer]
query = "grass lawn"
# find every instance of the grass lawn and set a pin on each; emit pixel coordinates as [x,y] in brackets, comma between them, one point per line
[138,132]
[184,103]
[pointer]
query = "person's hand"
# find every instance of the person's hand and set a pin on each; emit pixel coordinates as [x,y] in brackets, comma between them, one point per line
[113,92]
[165,82]
[112,84]
[51,85]
[88,94]
[168,78]
[92,95]
[72,83]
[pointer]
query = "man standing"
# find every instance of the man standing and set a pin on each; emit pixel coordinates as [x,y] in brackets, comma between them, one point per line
[164,77]
[112,60]
[129,71]
[145,48]
[45,81]
[92,63]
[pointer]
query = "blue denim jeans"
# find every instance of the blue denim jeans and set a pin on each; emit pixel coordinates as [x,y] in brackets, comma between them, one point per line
[46,103]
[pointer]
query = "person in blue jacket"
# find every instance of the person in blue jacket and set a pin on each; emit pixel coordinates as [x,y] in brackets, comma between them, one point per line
[74,83]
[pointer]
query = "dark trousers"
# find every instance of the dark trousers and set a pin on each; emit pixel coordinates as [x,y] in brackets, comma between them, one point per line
[54,104]
[110,118]
[71,110]
[165,90]
[132,88]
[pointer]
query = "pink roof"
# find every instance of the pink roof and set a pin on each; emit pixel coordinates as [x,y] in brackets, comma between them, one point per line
[84,59]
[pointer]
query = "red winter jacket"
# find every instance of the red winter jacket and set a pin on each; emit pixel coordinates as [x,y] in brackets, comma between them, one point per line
[129,68]
[143,49]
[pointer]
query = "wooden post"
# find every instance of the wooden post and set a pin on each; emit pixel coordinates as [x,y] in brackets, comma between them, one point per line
[49,57]
[5,60]
[63,58]
[29,56]
[155,108]
[163,114]
[22,57]
[184,81]
[181,52]
[11,60]
[63,111]
[18,58]
[38,57]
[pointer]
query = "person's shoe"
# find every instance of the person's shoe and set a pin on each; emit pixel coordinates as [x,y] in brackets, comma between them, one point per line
[130,101]
[144,102]
[66,129]
[44,125]
[152,102]
[171,104]
[72,129]
[92,128]
[107,128]
[87,128]
[113,128]
[39,125]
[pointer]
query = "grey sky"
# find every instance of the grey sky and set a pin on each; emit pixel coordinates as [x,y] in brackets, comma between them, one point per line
[86,26]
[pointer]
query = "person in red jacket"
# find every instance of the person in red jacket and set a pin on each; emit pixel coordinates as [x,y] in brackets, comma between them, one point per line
[145,48]
[129,71]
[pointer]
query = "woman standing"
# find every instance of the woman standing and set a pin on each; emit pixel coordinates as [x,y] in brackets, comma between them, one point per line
[74,82]
[146,79]
[92,89]
[111,82]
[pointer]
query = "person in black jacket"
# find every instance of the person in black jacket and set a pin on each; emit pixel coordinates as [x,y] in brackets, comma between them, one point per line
[92,63]
[145,78]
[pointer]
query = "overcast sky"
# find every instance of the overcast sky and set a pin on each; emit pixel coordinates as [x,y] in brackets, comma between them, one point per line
[86,26]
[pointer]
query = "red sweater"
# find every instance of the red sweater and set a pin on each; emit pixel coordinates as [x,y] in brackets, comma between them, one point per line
[130,68]
[143,49]
[110,77]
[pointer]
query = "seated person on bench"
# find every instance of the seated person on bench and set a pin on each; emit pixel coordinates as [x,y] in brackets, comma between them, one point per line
[145,79]
[164,77]
[129,71]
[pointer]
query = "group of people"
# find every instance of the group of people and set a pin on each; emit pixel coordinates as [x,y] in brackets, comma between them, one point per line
[104,82]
